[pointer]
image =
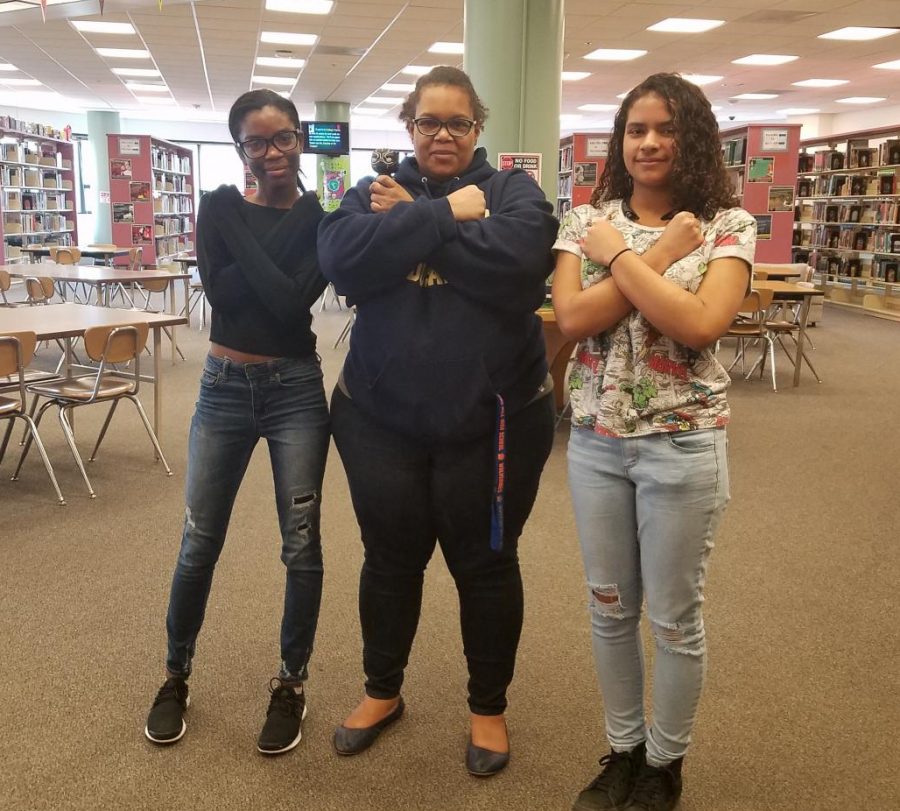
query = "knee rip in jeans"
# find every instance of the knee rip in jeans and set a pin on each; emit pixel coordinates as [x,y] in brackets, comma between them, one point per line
[675,637]
[606,601]
[303,507]
[189,517]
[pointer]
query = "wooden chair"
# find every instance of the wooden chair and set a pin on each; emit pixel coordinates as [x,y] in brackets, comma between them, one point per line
[751,326]
[136,258]
[159,286]
[39,289]
[16,352]
[5,284]
[197,299]
[66,256]
[105,346]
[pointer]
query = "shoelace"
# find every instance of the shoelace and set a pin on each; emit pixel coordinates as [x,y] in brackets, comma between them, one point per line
[284,699]
[651,785]
[609,773]
[172,688]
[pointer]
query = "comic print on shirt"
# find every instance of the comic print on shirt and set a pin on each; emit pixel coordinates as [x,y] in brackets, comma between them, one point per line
[630,380]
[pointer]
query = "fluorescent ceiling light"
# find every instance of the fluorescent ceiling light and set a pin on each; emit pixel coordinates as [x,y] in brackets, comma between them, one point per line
[280,62]
[7,66]
[141,72]
[368,111]
[568,117]
[20,82]
[614,54]
[447,48]
[300,6]
[764,59]
[821,82]
[859,33]
[390,101]
[574,75]
[97,27]
[398,87]
[19,6]
[416,70]
[286,38]
[149,88]
[686,25]
[283,81]
[798,111]
[701,79]
[623,95]
[895,65]
[123,53]
[598,108]
[860,100]
[155,100]
[715,107]
[285,94]
[756,96]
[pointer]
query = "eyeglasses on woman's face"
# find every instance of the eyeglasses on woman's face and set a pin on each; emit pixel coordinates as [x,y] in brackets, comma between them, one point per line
[284,141]
[456,127]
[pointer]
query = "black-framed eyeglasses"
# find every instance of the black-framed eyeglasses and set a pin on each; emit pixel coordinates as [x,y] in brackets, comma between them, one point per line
[284,141]
[456,127]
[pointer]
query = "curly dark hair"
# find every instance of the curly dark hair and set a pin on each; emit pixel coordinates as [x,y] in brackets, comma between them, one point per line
[443,75]
[700,182]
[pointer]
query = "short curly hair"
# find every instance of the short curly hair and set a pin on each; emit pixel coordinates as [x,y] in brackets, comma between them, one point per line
[700,182]
[443,75]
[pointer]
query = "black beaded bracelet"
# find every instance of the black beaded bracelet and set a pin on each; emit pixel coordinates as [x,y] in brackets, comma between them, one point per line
[610,263]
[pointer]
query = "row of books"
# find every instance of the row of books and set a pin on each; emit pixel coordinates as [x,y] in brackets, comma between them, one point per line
[566,155]
[8,122]
[886,270]
[172,225]
[857,155]
[169,246]
[168,161]
[172,183]
[734,150]
[25,223]
[872,212]
[16,200]
[172,204]
[848,239]
[868,185]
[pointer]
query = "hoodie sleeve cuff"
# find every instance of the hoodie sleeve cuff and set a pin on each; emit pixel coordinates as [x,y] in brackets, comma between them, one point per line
[444,217]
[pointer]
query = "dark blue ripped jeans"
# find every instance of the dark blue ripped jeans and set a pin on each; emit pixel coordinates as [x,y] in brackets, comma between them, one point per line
[283,402]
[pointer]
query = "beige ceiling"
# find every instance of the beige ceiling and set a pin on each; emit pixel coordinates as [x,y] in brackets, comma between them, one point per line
[206,51]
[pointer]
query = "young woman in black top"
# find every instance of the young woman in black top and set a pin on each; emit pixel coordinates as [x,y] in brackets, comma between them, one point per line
[262,379]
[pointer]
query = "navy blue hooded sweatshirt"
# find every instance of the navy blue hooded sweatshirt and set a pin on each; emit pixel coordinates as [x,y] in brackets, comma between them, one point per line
[445,309]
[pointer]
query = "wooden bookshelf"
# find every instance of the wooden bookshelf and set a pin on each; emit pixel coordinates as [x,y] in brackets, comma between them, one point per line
[761,159]
[582,157]
[37,189]
[847,217]
[151,189]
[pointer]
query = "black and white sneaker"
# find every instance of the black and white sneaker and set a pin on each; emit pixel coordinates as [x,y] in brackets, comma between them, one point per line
[287,709]
[165,723]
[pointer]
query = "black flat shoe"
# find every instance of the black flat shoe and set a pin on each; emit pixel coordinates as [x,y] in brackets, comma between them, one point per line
[349,741]
[483,762]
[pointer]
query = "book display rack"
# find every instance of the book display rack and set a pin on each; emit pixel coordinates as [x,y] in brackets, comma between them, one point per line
[582,157]
[151,188]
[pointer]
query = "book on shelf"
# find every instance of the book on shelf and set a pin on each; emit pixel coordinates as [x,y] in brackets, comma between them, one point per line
[853,267]
[853,144]
[893,242]
[859,184]
[890,272]
[890,152]
[805,162]
[836,184]
[886,184]
[863,157]
[828,159]
[804,188]
[831,213]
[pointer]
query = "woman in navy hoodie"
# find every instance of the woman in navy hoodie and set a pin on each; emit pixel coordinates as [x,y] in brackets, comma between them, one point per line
[443,414]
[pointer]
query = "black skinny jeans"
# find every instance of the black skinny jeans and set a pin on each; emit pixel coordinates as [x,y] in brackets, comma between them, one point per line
[407,496]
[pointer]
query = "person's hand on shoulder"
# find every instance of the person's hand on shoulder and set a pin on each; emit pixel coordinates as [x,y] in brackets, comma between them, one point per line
[602,241]
[385,193]
[682,235]
[467,203]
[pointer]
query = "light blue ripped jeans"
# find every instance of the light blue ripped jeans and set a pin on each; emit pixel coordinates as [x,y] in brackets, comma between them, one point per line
[647,509]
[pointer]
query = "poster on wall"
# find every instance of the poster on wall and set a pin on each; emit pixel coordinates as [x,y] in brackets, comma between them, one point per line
[529,162]
[585,174]
[781,198]
[596,147]
[139,190]
[760,170]
[119,168]
[774,141]
[141,234]
[123,212]
[332,174]
[763,226]
[129,146]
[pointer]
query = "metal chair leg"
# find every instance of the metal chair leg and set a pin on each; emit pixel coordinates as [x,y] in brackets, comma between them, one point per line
[150,433]
[112,410]
[43,452]
[70,438]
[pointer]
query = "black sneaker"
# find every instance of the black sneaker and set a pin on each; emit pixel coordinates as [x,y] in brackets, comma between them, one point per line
[656,789]
[287,709]
[165,723]
[611,789]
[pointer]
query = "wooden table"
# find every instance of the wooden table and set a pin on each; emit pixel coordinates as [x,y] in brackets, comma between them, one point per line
[70,320]
[559,350]
[108,255]
[786,291]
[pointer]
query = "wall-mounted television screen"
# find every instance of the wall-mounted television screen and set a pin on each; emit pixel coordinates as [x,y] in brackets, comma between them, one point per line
[326,137]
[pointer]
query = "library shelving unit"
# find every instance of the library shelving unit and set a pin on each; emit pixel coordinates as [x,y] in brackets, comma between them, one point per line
[250,183]
[151,190]
[582,157]
[761,159]
[37,180]
[848,217]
